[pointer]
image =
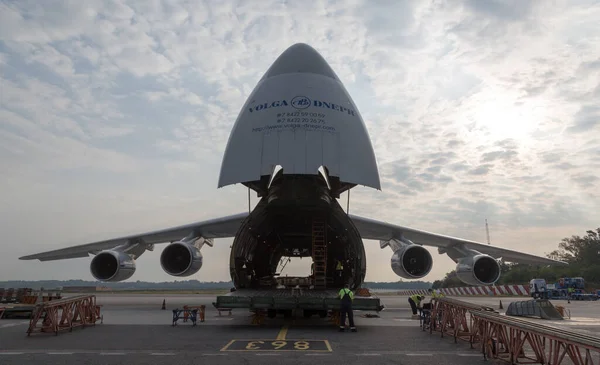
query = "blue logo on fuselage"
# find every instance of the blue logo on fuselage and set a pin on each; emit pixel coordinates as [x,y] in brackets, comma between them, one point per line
[300,102]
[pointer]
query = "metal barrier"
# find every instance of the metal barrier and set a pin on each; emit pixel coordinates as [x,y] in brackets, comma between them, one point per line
[507,339]
[451,317]
[187,313]
[200,308]
[64,314]
[511,339]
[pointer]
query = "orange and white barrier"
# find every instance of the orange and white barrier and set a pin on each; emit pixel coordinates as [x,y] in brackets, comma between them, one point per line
[499,290]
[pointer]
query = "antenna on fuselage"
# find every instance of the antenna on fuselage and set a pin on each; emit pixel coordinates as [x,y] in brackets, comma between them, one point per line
[249,200]
[487,231]
[348,203]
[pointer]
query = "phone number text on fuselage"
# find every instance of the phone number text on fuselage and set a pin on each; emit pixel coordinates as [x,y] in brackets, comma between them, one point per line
[301,120]
[301,114]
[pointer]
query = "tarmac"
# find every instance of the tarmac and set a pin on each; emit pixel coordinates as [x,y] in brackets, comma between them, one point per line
[136,331]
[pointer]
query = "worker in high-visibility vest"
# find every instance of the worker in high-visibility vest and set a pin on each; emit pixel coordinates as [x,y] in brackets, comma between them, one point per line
[339,270]
[436,294]
[570,291]
[415,302]
[347,296]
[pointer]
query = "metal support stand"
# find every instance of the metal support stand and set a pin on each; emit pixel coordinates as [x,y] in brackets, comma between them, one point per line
[510,339]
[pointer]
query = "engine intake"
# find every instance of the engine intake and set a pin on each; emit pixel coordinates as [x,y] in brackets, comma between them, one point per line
[478,270]
[411,262]
[112,266]
[181,259]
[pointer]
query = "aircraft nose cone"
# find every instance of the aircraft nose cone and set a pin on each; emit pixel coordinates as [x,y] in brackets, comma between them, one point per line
[300,58]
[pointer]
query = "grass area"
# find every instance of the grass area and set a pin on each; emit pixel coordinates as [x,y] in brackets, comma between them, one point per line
[194,291]
[386,293]
[165,291]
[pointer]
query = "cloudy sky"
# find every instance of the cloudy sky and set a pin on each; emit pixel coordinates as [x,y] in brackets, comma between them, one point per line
[114,117]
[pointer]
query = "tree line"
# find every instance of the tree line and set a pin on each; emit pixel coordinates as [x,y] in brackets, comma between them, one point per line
[582,254]
[180,284]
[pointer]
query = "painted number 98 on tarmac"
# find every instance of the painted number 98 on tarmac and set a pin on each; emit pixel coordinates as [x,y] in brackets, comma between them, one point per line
[278,345]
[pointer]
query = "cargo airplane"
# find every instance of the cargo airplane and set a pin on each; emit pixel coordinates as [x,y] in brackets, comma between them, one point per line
[299,142]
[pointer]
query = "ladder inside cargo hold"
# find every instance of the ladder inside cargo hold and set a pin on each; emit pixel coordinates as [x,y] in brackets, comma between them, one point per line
[319,253]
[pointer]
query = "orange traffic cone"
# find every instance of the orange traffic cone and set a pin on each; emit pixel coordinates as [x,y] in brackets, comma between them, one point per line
[163,306]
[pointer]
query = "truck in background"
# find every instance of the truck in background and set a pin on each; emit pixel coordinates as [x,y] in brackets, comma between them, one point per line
[538,288]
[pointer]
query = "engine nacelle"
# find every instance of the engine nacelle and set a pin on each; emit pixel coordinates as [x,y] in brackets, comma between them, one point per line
[478,270]
[181,259]
[112,266]
[412,262]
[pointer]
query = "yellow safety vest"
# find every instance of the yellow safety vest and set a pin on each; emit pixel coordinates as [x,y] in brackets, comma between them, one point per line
[436,295]
[340,266]
[346,291]
[416,299]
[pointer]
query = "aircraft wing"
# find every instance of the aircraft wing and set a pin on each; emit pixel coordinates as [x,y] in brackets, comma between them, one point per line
[376,230]
[215,228]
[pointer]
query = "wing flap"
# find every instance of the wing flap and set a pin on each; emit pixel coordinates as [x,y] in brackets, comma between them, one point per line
[215,228]
[377,230]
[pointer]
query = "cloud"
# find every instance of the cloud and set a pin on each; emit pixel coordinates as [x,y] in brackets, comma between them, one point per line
[498,155]
[586,119]
[481,170]
[504,10]
[590,181]
[115,115]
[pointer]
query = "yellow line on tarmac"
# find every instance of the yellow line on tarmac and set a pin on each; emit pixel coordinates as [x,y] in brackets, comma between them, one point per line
[282,333]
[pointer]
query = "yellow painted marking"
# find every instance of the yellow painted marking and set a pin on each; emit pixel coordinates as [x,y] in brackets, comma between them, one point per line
[227,346]
[282,332]
[301,345]
[262,345]
[328,346]
[252,345]
[279,344]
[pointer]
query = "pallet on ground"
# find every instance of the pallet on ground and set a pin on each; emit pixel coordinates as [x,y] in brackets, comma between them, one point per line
[17,310]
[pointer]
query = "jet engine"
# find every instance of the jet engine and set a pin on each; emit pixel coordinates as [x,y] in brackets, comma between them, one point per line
[411,261]
[181,259]
[478,270]
[112,266]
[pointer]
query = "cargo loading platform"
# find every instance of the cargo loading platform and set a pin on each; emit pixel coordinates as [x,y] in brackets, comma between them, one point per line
[289,299]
